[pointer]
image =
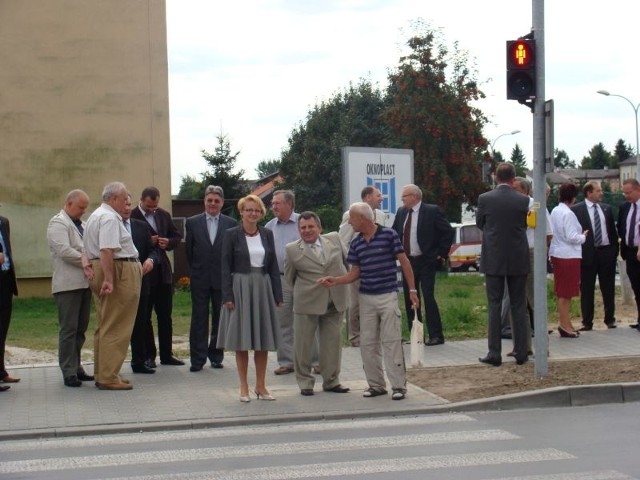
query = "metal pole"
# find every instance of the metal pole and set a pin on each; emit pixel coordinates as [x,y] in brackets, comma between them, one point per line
[635,109]
[540,201]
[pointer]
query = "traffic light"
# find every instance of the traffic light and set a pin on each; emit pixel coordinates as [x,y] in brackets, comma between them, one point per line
[521,70]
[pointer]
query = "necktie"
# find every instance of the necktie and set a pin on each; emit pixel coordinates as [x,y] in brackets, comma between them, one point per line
[127,226]
[78,224]
[406,234]
[597,226]
[317,251]
[151,220]
[213,228]
[632,228]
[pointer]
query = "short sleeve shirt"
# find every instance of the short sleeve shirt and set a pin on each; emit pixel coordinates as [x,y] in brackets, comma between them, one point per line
[376,260]
[105,229]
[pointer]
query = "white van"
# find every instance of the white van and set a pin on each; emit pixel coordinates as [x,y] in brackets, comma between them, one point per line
[465,250]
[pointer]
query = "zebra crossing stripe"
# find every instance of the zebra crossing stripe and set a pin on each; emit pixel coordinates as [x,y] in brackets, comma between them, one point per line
[175,436]
[254,450]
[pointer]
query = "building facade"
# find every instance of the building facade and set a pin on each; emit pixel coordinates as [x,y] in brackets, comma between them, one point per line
[83,101]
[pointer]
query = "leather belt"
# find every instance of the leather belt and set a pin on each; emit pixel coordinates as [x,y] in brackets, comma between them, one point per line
[128,259]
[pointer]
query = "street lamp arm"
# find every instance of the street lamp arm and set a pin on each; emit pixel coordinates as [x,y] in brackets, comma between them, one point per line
[498,137]
[635,111]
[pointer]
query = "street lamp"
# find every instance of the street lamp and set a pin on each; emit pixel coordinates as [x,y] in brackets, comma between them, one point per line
[635,115]
[493,154]
[501,135]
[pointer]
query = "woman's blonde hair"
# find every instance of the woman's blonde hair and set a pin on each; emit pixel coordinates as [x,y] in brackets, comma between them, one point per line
[251,198]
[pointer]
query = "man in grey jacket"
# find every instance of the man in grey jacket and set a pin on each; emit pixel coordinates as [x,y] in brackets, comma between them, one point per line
[69,285]
[502,217]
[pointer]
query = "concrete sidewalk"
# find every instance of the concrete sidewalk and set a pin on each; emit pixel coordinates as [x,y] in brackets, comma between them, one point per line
[40,406]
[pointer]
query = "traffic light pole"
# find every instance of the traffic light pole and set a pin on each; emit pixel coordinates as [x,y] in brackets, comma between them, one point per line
[541,340]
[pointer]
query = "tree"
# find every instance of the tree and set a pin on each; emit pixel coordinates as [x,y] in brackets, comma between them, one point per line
[621,152]
[221,165]
[190,188]
[311,165]
[519,161]
[267,167]
[430,110]
[561,160]
[598,158]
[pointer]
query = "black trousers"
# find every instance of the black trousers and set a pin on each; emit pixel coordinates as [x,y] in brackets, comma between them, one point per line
[633,271]
[602,266]
[140,334]
[424,277]
[202,337]
[161,301]
[6,307]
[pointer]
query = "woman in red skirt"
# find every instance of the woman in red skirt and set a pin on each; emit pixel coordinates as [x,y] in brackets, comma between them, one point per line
[566,254]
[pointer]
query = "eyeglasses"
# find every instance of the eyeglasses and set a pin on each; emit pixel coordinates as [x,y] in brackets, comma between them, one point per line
[252,210]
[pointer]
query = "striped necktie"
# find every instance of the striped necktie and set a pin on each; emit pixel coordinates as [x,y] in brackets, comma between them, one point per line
[597,226]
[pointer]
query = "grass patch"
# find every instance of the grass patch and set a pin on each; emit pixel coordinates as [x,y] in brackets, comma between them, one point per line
[461,298]
[34,322]
[463,306]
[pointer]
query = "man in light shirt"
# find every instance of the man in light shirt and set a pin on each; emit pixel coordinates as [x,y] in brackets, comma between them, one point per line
[599,255]
[115,286]
[285,230]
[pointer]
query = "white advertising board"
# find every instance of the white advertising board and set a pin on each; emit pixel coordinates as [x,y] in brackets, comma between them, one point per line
[388,169]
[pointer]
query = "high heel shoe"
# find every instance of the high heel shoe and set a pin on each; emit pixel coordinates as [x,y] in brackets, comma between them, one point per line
[566,334]
[264,396]
[245,398]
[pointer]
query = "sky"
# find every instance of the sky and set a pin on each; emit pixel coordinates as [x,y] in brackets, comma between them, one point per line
[253,69]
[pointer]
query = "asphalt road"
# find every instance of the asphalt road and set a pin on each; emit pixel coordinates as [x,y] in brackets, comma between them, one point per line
[586,443]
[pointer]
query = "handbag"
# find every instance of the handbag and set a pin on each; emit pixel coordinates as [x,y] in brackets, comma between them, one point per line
[417,341]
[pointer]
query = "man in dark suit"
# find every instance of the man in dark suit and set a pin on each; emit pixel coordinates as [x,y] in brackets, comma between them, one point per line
[8,288]
[628,224]
[426,236]
[148,255]
[599,255]
[165,237]
[204,248]
[502,217]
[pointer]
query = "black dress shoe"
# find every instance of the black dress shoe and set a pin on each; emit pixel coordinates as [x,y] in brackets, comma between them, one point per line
[513,354]
[634,325]
[496,362]
[585,328]
[307,392]
[72,381]
[611,325]
[337,389]
[434,341]
[4,388]
[522,361]
[216,365]
[142,369]
[151,363]
[171,361]
[195,368]
[83,377]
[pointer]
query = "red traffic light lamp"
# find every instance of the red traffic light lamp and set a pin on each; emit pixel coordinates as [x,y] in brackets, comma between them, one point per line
[521,70]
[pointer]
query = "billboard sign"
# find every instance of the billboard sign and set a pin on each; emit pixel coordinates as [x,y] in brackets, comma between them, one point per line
[387,169]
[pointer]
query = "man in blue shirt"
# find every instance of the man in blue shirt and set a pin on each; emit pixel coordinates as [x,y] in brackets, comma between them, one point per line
[372,257]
